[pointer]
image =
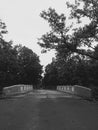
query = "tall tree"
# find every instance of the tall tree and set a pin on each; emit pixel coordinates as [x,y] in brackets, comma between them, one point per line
[18,64]
[59,36]
[88,34]
[31,69]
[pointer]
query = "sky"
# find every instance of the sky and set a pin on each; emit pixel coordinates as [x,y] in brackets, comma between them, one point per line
[24,24]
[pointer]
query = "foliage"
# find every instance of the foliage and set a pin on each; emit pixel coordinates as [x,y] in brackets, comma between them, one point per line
[88,34]
[2,29]
[75,70]
[30,68]
[71,70]
[59,35]
[50,79]
[18,64]
[76,47]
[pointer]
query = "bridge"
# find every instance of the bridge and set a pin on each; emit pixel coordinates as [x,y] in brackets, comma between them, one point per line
[48,110]
[71,89]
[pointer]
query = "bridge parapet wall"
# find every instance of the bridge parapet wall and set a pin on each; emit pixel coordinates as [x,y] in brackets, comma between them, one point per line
[76,90]
[17,89]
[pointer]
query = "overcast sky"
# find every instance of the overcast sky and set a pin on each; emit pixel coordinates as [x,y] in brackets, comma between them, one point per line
[24,23]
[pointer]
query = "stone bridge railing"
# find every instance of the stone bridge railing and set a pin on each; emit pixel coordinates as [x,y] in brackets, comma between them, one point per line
[76,90]
[17,89]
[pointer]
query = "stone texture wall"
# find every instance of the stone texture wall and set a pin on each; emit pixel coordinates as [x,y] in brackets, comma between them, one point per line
[76,90]
[17,89]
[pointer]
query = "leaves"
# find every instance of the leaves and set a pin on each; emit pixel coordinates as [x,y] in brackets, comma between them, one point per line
[81,37]
[76,57]
[56,22]
[2,29]
[18,65]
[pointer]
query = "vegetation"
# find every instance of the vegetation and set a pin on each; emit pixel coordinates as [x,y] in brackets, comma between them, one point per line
[76,47]
[18,64]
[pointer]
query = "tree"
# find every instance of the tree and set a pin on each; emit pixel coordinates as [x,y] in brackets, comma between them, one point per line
[59,36]
[18,64]
[50,80]
[76,47]
[5,54]
[68,71]
[30,68]
[2,29]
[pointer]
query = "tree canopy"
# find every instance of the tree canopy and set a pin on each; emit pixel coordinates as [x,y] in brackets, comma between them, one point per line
[76,48]
[59,36]
[18,64]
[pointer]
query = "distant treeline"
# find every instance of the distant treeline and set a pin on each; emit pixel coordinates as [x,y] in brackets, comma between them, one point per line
[75,70]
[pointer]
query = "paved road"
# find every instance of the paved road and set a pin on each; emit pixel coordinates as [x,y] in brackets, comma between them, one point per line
[48,110]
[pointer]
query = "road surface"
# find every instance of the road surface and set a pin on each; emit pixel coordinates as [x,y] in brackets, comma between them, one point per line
[48,110]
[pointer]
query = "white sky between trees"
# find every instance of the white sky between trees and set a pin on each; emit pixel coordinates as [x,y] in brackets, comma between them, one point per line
[24,24]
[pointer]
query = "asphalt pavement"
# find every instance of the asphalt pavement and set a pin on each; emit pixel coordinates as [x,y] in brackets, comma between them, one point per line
[48,110]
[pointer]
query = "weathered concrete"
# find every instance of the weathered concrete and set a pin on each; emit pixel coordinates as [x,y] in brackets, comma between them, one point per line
[76,90]
[16,89]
